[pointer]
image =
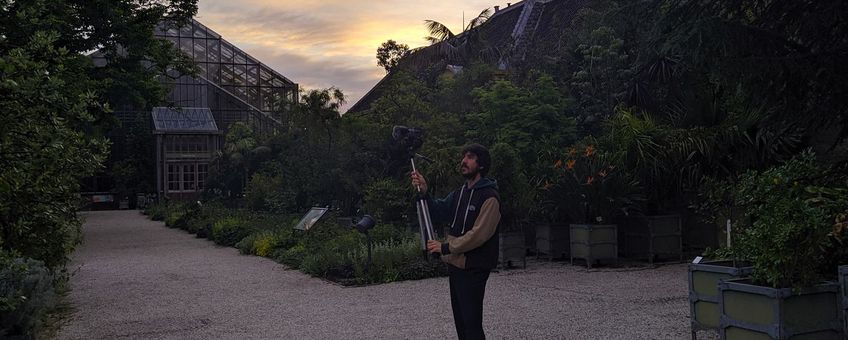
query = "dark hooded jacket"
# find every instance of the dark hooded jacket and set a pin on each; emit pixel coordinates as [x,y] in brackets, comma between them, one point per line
[473,215]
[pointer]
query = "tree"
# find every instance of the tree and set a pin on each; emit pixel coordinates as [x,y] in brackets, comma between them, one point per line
[457,49]
[534,123]
[56,104]
[319,109]
[390,53]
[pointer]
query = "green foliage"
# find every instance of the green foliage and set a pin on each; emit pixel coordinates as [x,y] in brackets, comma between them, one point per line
[26,295]
[601,72]
[388,200]
[43,153]
[783,56]
[157,211]
[175,218]
[247,245]
[56,106]
[231,169]
[291,257]
[263,193]
[390,53]
[327,250]
[229,231]
[265,243]
[591,186]
[513,184]
[531,121]
[795,238]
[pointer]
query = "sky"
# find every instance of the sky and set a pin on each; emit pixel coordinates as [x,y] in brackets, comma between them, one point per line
[324,43]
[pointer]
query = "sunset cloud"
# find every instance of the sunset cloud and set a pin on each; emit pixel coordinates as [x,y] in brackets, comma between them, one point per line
[323,43]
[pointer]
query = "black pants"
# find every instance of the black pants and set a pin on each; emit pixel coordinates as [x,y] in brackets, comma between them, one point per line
[467,289]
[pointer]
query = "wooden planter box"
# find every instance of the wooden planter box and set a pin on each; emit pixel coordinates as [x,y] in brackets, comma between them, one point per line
[843,287]
[512,249]
[756,312]
[552,240]
[594,242]
[703,291]
[654,237]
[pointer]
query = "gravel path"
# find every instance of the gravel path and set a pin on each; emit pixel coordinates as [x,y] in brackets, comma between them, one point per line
[135,278]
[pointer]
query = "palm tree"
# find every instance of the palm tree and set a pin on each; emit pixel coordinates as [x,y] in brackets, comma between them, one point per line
[454,48]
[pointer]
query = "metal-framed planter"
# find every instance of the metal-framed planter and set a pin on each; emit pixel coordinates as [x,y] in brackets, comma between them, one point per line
[552,240]
[843,287]
[512,249]
[593,242]
[703,291]
[749,311]
[654,237]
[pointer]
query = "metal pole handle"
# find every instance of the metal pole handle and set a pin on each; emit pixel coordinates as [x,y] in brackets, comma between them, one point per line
[425,223]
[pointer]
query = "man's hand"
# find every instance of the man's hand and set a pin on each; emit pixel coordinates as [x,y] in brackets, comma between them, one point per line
[434,246]
[418,181]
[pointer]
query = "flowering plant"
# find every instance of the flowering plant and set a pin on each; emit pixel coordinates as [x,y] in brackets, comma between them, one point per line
[589,186]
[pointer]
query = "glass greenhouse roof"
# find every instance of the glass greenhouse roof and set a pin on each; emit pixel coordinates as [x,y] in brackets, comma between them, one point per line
[229,67]
[183,120]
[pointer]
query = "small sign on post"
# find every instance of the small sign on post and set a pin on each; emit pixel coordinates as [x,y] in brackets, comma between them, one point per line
[310,218]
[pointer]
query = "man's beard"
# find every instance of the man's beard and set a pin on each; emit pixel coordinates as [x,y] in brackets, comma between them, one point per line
[470,174]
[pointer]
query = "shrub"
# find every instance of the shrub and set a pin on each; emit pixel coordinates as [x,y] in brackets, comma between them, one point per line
[394,261]
[590,186]
[229,231]
[265,243]
[203,216]
[390,232]
[323,263]
[157,212]
[26,295]
[173,217]
[794,238]
[388,200]
[246,245]
[264,193]
[291,257]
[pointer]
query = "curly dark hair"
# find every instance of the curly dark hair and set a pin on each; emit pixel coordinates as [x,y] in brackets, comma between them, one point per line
[484,160]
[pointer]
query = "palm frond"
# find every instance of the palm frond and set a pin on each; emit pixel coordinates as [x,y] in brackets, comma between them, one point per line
[438,30]
[479,20]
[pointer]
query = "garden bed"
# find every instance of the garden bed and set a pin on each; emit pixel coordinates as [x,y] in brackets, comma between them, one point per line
[327,250]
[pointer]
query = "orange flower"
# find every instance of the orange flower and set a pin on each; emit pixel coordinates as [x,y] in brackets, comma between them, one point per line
[590,150]
[569,164]
[572,151]
[603,173]
[558,164]
[590,180]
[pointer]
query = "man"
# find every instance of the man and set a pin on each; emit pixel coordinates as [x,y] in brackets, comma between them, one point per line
[471,250]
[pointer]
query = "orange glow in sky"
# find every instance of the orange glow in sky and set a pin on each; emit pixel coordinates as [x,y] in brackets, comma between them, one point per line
[323,43]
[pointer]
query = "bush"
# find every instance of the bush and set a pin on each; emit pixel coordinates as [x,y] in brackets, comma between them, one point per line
[390,232]
[246,245]
[794,238]
[265,243]
[262,243]
[172,217]
[324,263]
[388,200]
[229,231]
[26,295]
[394,261]
[291,257]
[157,212]
[202,216]
[265,193]
[328,250]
